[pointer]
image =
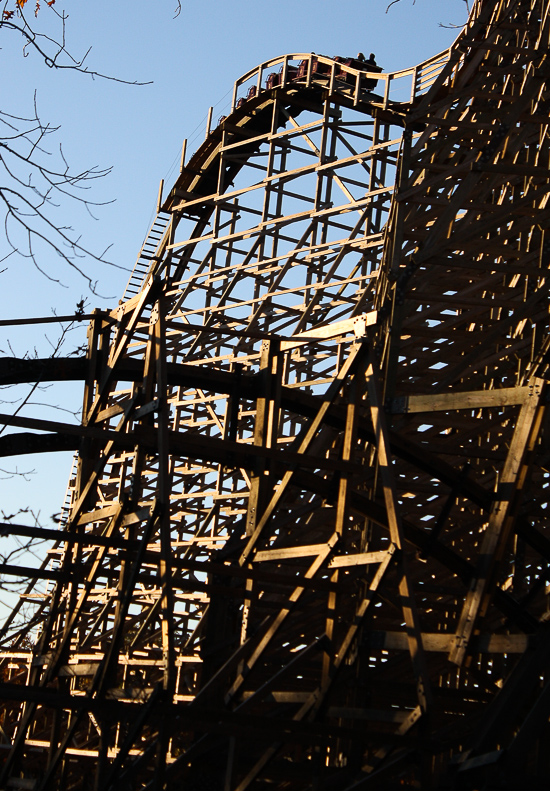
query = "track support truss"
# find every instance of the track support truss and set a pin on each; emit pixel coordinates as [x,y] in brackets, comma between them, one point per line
[306,542]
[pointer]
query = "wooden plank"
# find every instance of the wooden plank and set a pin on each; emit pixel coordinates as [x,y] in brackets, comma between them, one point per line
[359,559]
[443,642]
[288,552]
[444,402]
[356,325]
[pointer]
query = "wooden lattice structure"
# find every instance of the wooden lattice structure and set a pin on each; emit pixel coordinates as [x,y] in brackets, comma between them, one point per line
[306,541]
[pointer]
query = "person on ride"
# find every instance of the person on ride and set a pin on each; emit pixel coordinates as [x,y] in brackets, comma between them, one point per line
[371,63]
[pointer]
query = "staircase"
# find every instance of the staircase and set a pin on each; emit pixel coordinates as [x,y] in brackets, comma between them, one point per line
[66,507]
[146,255]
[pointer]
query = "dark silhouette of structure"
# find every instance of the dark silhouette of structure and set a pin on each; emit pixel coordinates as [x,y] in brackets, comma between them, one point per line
[307,544]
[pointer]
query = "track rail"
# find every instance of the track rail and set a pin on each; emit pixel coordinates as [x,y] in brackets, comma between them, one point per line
[295,71]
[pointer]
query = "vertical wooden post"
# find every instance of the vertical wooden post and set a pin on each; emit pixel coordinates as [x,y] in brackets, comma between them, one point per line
[259,79]
[265,428]
[159,198]
[183,151]
[165,565]
[309,71]
[408,604]
[265,435]
[285,70]
[208,122]
[387,90]
[357,90]
[349,439]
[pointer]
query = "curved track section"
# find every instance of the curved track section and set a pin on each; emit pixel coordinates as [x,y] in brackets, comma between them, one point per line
[307,544]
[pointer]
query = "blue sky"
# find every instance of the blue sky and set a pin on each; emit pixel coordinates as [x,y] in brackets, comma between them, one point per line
[191,62]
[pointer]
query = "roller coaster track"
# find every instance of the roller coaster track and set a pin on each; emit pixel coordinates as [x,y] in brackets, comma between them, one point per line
[309,74]
[307,544]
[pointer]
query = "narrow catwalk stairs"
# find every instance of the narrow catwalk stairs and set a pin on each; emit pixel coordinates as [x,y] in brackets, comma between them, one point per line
[146,255]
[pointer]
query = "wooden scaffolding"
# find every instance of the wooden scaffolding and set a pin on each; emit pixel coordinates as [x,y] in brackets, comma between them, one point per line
[306,542]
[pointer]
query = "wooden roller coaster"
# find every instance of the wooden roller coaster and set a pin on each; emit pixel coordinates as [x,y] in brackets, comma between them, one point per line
[306,544]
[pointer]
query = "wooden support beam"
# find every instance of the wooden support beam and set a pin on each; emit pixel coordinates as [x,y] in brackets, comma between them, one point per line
[502,518]
[310,427]
[445,402]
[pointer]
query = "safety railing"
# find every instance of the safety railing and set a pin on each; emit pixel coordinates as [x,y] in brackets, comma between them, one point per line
[339,75]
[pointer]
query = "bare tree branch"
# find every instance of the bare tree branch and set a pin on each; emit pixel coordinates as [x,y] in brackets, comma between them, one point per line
[393,2]
[34,182]
[53,50]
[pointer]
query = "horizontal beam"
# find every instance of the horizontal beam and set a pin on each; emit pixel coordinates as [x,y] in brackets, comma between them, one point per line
[199,718]
[15,370]
[474,399]
[56,319]
[292,399]
[441,642]
[51,534]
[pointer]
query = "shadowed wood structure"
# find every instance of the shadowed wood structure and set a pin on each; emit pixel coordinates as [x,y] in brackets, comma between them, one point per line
[306,542]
